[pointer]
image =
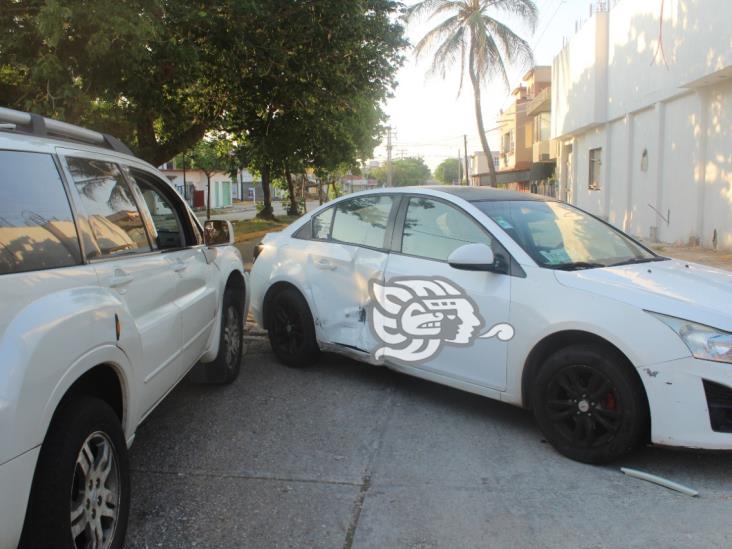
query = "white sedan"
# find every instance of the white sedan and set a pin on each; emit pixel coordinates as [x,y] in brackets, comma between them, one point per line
[513,296]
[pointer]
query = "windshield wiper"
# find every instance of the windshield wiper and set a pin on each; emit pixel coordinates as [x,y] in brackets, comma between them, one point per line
[577,266]
[637,260]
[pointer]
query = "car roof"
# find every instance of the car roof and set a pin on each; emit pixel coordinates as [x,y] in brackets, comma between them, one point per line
[19,141]
[482,194]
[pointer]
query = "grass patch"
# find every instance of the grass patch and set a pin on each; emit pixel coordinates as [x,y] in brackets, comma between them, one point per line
[256,228]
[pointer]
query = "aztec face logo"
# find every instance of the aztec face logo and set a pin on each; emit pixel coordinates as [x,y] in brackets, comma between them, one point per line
[414,317]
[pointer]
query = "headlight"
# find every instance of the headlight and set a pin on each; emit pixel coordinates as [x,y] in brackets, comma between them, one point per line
[704,342]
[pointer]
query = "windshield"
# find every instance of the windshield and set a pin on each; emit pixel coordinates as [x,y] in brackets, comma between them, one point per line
[559,236]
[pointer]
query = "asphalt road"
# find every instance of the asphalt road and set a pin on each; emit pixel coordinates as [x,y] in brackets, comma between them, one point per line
[347,455]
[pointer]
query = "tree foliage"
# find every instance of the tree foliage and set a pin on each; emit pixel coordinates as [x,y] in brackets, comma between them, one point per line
[474,37]
[295,84]
[448,172]
[406,171]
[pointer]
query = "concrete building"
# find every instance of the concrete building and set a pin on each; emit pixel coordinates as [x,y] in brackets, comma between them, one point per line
[526,158]
[642,110]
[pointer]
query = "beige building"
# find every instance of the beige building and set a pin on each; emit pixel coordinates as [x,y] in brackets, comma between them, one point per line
[526,157]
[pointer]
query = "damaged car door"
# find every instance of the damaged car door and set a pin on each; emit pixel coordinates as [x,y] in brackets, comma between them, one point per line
[349,251]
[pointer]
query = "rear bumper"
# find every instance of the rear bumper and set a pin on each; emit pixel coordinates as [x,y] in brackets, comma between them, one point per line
[16,477]
[680,406]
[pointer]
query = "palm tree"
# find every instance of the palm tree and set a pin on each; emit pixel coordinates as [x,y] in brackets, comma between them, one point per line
[474,38]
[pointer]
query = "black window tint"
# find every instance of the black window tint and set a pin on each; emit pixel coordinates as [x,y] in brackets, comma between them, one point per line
[37,229]
[434,230]
[321,224]
[362,221]
[162,211]
[107,200]
[305,232]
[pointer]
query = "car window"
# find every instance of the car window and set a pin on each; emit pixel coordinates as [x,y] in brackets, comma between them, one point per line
[322,223]
[37,229]
[169,229]
[559,236]
[362,221]
[112,213]
[433,229]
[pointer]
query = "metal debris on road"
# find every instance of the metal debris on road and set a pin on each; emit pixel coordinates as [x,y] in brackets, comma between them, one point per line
[660,481]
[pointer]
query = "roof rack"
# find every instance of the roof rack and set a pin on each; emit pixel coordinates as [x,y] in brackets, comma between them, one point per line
[40,126]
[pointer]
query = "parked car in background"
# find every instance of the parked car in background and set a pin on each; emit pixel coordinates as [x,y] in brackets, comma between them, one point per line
[517,297]
[110,292]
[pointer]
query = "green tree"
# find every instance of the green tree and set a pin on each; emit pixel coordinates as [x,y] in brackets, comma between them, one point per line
[476,39]
[406,171]
[145,71]
[448,172]
[311,98]
[211,156]
[298,84]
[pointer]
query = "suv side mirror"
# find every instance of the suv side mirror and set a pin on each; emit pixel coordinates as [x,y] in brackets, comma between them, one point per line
[473,257]
[218,232]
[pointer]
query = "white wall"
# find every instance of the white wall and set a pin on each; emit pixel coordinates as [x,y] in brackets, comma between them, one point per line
[681,115]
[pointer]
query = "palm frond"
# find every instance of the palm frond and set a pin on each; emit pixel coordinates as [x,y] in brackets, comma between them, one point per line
[420,9]
[436,35]
[513,48]
[525,10]
[448,52]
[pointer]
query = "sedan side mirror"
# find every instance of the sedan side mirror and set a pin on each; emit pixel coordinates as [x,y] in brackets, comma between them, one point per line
[218,232]
[473,257]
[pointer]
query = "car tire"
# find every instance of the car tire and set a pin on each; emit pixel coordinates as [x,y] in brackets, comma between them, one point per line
[81,488]
[225,368]
[292,330]
[590,404]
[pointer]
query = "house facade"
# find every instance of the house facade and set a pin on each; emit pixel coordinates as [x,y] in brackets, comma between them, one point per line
[225,189]
[642,112]
[526,157]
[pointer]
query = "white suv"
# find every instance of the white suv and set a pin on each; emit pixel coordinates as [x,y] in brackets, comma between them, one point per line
[110,292]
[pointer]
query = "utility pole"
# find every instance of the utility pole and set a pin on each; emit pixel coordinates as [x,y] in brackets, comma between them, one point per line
[460,169]
[389,167]
[467,166]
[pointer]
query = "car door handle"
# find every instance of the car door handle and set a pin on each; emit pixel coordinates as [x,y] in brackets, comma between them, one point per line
[179,266]
[120,278]
[325,264]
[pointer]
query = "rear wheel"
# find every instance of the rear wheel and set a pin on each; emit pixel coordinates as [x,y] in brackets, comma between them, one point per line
[292,330]
[81,490]
[589,404]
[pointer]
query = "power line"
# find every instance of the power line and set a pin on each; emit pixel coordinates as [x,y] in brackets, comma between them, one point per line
[549,23]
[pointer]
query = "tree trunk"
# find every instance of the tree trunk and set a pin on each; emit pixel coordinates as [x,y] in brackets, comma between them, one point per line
[479,118]
[267,212]
[293,209]
[335,189]
[208,196]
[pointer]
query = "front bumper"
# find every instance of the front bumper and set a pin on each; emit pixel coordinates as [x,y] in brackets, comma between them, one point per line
[16,477]
[680,413]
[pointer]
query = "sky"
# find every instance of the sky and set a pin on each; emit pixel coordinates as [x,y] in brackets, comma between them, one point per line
[428,117]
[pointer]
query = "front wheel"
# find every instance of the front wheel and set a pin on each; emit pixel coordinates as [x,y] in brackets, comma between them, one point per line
[589,404]
[81,491]
[225,368]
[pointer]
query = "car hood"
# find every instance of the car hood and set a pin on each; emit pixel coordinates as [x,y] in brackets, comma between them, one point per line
[676,288]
